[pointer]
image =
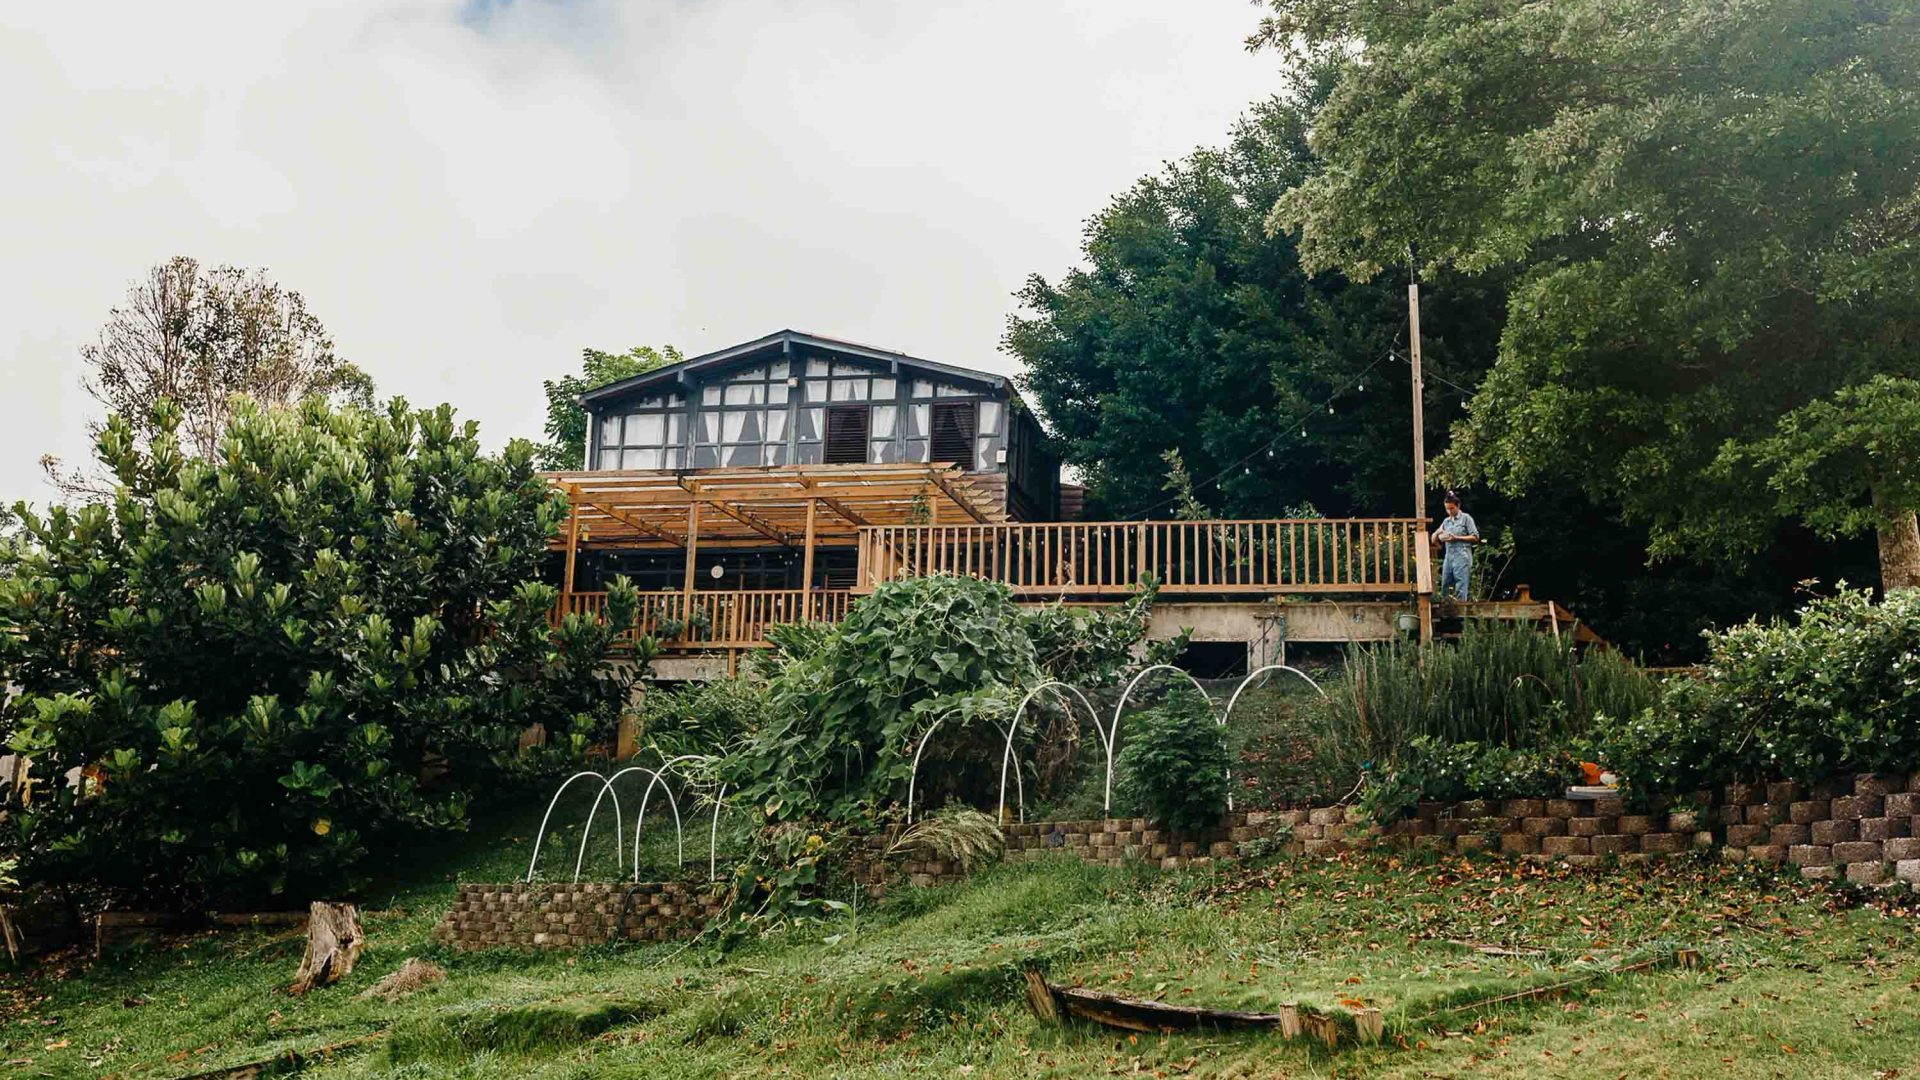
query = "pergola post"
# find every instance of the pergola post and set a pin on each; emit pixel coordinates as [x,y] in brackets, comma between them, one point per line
[693,551]
[806,566]
[573,549]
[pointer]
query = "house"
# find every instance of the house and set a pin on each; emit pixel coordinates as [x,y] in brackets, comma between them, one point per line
[751,470]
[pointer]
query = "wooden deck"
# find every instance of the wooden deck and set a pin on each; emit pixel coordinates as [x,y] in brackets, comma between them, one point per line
[1272,557]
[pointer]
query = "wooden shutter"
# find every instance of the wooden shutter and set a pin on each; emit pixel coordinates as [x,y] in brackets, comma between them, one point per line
[847,427]
[953,425]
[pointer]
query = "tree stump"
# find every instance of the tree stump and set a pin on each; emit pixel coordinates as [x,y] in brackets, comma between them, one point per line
[334,942]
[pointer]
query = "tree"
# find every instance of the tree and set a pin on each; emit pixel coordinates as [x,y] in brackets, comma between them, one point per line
[256,662]
[199,337]
[1191,330]
[566,445]
[1712,212]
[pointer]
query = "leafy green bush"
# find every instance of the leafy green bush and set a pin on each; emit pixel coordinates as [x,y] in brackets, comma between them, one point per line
[1173,762]
[1504,685]
[254,661]
[1837,691]
[849,704]
[1090,647]
[1430,769]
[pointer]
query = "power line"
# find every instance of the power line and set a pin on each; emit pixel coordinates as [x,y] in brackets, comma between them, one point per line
[1432,374]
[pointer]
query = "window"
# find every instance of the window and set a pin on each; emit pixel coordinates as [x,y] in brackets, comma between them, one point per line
[953,433]
[743,419]
[847,434]
[648,435]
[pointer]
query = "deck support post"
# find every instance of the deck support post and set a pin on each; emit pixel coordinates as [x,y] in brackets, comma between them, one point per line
[806,566]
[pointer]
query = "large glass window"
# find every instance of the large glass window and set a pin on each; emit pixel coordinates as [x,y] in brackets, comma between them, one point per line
[743,419]
[647,434]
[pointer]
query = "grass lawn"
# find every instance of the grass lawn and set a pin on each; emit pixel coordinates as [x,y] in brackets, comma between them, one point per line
[927,984]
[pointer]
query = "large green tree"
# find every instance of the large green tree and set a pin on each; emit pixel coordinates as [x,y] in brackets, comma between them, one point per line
[266,663]
[1190,328]
[1712,212]
[566,445]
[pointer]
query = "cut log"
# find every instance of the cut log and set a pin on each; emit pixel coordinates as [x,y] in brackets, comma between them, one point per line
[334,942]
[1158,1017]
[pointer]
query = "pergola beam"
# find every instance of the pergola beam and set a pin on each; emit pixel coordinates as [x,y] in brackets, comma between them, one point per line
[750,521]
[631,523]
[963,503]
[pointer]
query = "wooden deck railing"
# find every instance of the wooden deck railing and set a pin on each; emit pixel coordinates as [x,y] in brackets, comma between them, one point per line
[1348,555]
[736,619]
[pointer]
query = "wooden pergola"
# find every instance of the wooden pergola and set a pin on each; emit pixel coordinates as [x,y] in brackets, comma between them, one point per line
[797,506]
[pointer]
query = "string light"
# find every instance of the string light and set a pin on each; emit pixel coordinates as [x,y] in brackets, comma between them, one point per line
[1359,380]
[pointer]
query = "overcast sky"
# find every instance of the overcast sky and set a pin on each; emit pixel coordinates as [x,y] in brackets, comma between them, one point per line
[467,193]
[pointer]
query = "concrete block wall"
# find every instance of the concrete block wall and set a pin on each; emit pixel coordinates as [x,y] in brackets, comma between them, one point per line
[548,915]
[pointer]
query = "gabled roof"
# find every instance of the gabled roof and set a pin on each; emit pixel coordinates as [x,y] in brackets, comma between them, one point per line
[777,342]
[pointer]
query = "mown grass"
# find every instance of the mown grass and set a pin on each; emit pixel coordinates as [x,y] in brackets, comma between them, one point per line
[928,983]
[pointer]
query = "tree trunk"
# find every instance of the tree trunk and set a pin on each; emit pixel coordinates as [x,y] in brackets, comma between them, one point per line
[1899,549]
[334,942]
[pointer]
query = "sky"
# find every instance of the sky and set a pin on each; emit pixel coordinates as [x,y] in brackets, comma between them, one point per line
[468,193]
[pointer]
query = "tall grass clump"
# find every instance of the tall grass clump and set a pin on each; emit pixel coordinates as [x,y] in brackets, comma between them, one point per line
[1497,685]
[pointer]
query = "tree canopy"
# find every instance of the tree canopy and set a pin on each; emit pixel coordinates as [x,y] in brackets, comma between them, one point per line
[1712,212]
[1191,329]
[261,662]
[198,337]
[566,445]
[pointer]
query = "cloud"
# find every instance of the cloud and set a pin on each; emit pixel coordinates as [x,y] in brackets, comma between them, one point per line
[467,193]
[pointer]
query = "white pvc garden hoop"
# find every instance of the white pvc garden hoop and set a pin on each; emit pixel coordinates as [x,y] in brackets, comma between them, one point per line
[542,834]
[1019,710]
[679,835]
[1113,733]
[1235,700]
[913,775]
[606,788]
[713,833]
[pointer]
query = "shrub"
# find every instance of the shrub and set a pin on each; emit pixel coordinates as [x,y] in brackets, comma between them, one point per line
[1836,691]
[849,704]
[957,834]
[1090,647]
[1504,685]
[1173,762]
[253,662]
[1429,769]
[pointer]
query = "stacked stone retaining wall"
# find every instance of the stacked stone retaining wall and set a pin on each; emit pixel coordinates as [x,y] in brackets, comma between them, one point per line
[1862,829]
[551,916]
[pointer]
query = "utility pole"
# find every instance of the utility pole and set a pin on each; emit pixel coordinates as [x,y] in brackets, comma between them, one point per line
[1419,408]
[1423,567]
